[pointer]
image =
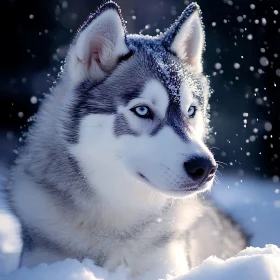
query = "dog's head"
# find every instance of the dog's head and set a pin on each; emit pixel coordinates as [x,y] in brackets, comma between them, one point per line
[138,112]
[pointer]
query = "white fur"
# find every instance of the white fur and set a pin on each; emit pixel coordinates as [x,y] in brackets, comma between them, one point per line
[97,164]
[189,42]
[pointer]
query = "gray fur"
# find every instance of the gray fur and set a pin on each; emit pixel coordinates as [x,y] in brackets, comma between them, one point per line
[122,127]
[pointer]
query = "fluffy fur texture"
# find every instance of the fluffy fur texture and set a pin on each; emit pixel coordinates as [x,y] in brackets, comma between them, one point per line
[98,180]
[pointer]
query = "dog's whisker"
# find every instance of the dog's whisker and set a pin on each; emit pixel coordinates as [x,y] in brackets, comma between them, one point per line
[221,162]
[218,172]
[214,148]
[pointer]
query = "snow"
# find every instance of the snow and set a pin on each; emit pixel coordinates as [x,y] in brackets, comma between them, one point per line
[253,203]
[68,270]
[252,263]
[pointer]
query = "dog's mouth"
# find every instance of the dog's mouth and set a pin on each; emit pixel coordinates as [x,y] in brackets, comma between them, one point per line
[187,189]
[143,177]
[195,187]
[191,187]
[184,190]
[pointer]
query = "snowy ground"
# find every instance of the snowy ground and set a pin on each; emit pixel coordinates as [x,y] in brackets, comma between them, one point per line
[254,204]
[252,263]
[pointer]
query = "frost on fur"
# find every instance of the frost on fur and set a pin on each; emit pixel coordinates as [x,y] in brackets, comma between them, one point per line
[98,45]
[186,38]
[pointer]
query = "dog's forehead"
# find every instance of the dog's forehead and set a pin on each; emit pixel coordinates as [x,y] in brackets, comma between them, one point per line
[174,75]
[159,62]
[156,93]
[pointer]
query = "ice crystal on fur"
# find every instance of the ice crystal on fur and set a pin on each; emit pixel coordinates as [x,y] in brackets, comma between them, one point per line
[175,28]
[110,5]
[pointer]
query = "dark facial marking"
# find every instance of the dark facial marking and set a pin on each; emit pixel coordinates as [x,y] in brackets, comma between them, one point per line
[164,239]
[125,57]
[175,120]
[122,127]
[157,128]
[89,99]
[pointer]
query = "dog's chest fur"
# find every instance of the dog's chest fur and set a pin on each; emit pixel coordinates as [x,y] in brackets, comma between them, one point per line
[104,235]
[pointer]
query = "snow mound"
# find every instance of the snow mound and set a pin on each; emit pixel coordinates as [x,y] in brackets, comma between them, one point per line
[251,263]
[10,241]
[68,270]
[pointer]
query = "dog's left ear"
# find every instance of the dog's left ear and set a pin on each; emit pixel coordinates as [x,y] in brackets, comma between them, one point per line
[186,38]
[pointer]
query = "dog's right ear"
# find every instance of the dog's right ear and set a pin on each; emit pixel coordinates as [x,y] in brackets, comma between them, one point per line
[98,45]
[186,39]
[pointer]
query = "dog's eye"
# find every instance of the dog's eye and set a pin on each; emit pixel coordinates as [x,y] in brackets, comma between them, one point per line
[192,111]
[142,111]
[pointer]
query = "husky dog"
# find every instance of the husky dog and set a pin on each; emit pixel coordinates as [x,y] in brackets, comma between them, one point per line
[113,163]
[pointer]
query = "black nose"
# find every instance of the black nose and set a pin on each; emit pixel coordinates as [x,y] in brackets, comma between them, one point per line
[199,168]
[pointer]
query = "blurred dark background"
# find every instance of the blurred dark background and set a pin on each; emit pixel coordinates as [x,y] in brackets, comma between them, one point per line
[241,58]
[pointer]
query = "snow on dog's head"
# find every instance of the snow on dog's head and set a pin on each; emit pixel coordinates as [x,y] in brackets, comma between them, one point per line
[138,107]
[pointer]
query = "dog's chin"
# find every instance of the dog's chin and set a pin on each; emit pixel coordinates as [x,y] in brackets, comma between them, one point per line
[187,190]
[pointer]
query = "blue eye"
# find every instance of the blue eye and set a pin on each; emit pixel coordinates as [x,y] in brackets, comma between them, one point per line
[192,111]
[142,111]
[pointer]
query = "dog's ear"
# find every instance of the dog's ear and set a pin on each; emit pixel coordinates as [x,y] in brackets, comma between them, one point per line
[98,45]
[186,38]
